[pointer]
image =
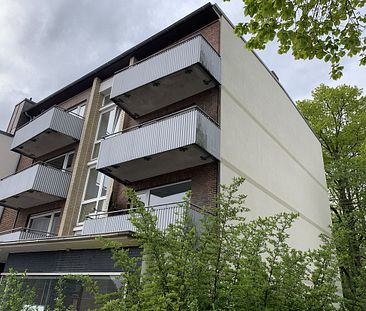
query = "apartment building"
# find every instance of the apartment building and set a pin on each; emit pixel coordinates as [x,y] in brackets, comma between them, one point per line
[187,109]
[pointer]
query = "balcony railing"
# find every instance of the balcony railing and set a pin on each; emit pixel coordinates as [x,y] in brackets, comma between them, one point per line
[173,74]
[119,221]
[24,234]
[52,130]
[38,184]
[178,141]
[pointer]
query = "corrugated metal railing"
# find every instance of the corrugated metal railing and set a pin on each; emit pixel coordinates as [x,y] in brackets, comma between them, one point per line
[24,234]
[119,221]
[34,164]
[167,116]
[47,110]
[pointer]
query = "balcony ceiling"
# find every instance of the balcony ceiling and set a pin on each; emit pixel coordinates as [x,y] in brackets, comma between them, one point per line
[165,91]
[44,143]
[29,199]
[182,140]
[178,72]
[52,130]
[159,164]
[36,185]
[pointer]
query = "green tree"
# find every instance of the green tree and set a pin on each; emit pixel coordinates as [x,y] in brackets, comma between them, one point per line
[328,29]
[224,262]
[338,117]
[15,294]
[211,259]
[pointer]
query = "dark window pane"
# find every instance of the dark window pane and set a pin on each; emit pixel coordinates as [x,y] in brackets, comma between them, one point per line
[169,194]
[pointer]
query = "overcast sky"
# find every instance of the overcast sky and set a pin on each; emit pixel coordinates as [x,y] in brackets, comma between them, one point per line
[45,44]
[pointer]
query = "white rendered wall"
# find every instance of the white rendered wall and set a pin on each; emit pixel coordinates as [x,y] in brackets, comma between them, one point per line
[265,139]
[8,159]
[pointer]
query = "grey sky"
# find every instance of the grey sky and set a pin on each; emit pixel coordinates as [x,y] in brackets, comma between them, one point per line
[45,44]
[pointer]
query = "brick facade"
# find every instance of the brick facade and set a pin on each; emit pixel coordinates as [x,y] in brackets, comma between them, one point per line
[208,101]
[23,163]
[7,219]
[204,185]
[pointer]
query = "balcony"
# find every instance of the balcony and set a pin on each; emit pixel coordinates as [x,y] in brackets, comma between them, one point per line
[178,72]
[52,130]
[24,234]
[178,141]
[33,186]
[119,221]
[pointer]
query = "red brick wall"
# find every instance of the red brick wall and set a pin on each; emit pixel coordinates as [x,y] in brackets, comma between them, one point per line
[7,219]
[208,101]
[24,162]
[204,185]
[211,33]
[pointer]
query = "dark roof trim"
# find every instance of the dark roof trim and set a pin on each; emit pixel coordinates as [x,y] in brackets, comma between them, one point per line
[190,23]
[6,133]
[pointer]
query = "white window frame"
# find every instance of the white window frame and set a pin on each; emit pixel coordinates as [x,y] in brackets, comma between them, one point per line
[66,155]
[146,192]
[78,109]
[35,216]
[104,109]
[98,198]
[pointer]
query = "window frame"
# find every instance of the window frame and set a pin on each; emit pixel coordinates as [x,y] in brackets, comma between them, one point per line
[147,191]
[39,215]
[98,198]
[103,110]
[78,107]
[64,164]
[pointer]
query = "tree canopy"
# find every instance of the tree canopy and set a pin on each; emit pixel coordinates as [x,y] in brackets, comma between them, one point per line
[325,29]
[338,117]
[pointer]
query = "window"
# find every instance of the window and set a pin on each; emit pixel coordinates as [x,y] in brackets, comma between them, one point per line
[62,162]
[94,194]
[106,101]
[45,222]
[166,194]
[108,123]
[78,110]
[75,294]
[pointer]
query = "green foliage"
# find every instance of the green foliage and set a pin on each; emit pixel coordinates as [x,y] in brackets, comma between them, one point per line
[338,118]
[221,261]
[225,263]
[328,29]
[60,296]
[15,295]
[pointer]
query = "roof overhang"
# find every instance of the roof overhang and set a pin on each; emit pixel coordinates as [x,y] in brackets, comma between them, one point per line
[65,243]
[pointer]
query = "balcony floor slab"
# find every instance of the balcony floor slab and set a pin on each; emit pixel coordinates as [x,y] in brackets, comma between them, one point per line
[162,92]
[46,142]
[158,164]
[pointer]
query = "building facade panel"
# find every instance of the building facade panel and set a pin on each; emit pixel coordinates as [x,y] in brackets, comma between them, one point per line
[252,145]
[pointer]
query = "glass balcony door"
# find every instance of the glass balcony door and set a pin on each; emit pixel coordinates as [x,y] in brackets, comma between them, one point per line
[166,194]
[46,223]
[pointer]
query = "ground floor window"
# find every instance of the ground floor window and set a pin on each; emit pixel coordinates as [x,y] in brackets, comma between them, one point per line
[75,294]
